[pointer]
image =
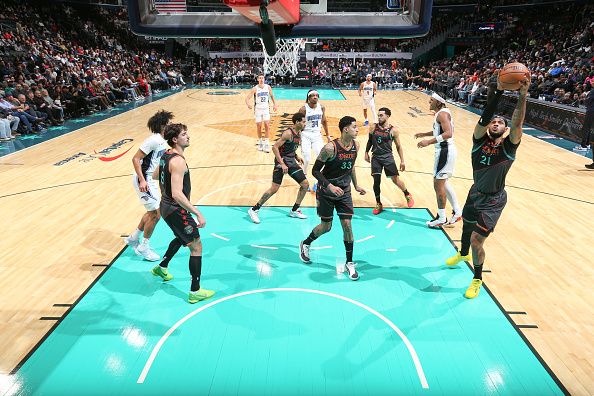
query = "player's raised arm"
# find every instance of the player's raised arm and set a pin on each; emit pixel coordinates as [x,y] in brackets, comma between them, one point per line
[517,120]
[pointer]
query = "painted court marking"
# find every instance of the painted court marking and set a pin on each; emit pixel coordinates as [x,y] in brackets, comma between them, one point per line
[264,247]
[406,341]
[320,247]
[220,237]
[390,224]
[366,238]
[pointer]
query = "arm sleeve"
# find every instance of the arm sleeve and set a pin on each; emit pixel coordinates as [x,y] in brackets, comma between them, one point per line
[490,107]
[317,173]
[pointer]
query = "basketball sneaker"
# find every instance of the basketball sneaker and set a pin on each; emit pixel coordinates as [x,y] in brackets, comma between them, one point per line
[315,188]
[456,258]
[590,166]
[266,146]
[351,271]
[366,123]
[144,250]
[437,223]
[201,294]
[297,214]
[254,215]
[131,241]
[260,145]
[163,273]
[410,202]
[378,209]
[304,253]
[473,289]
[454,219]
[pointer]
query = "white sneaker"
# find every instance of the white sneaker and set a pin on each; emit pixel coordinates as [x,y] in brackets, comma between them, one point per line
[304,253]
[351,271]
[260,145]
[437,223]
[254,215]
[453,220]
[131,241]
[144,250]
[297,213]
[266,147]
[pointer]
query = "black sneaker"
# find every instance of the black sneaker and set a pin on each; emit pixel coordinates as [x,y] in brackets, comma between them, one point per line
[304,253]
[590,166]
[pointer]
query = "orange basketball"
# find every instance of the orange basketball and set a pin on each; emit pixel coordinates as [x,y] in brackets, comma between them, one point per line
[511,75]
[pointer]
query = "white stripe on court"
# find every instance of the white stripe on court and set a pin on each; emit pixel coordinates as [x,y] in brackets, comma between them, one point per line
[390,224]
[264,247]
[407,343]
[320,247]
[391,250]
[220,237]
[366,238]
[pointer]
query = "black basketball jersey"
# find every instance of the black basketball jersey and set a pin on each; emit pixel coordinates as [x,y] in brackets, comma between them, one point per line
[168,204]
[381,139]
[491,163]
[338,170]
[289,148]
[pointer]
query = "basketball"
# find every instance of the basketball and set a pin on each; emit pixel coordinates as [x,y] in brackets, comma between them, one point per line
[511,75]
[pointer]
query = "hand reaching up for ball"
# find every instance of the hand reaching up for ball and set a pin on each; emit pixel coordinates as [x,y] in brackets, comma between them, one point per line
[524,85]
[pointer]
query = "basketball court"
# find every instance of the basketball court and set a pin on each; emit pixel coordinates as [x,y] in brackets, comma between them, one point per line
[86,313]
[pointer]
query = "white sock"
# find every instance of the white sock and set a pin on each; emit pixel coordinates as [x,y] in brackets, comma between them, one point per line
[441,214]
[451,195]
[136,234]
[144,241]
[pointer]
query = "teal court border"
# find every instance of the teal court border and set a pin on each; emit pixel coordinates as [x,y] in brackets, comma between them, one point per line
[404,218]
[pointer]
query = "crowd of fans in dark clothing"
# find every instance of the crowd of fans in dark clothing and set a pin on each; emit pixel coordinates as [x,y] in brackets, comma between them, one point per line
[61,63]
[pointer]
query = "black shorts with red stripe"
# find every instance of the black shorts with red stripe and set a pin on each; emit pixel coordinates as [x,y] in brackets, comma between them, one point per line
[484,210]
[183,225]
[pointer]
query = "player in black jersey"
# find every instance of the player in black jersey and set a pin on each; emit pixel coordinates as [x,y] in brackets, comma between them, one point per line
[335,169]
[176,209]
[493,153]
[381,136]
[286,161]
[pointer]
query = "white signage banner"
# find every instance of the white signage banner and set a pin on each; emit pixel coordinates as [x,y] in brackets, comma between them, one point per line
[354,55]
[311,55]
[226,55]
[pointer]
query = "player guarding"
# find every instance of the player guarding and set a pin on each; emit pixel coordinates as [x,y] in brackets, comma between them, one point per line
[315,119]
[261,95]
[493,153]
[380,142]
[145,161]
[335,170]
[367,91]
[445,161]
[286,161]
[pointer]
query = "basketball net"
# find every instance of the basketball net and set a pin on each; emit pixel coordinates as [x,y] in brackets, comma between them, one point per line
[286,58]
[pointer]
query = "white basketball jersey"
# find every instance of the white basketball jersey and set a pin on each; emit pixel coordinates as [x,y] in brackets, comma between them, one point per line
[262,97]
[438,131]
[368,90]
[313,119]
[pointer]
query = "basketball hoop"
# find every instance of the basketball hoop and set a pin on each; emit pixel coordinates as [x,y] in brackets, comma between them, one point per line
[286,58]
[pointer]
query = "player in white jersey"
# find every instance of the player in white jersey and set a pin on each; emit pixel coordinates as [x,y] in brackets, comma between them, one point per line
[145,161]
[261,95]
[367,91]
[442,136]
[315,119]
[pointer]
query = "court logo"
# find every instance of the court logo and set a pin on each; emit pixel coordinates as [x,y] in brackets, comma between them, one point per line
[102,155]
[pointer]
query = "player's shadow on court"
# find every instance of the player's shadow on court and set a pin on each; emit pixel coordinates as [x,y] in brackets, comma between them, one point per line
[284,253]
[429,311]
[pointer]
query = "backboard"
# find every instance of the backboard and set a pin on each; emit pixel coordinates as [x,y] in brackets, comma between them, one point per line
[319,19]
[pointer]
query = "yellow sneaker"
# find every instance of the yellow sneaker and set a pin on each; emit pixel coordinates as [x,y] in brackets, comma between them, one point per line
[200,295]
[473,289]
[456,258]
